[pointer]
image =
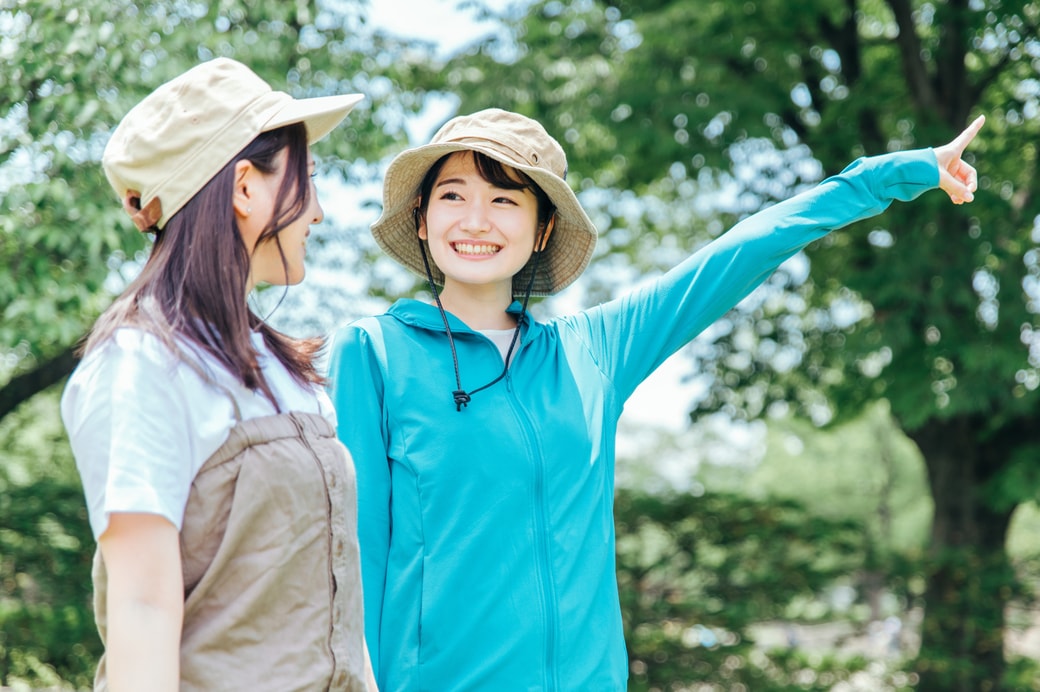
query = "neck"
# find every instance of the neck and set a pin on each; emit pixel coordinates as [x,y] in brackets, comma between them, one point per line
[479,307]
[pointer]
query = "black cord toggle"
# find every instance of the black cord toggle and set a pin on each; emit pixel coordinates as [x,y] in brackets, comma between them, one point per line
[461,399]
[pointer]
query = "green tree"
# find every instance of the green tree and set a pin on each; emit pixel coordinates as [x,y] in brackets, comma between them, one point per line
[931,307]
[697,573]
[68,73]
[47,632]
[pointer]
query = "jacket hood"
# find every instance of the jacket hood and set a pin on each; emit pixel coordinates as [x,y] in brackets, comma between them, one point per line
[416,313]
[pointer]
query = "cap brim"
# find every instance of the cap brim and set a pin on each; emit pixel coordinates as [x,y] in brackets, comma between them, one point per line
[321,114]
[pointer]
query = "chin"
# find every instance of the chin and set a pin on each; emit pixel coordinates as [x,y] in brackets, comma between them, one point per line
[293,279]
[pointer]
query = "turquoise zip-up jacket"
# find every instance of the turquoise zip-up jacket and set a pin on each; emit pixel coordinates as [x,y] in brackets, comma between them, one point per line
[487,534]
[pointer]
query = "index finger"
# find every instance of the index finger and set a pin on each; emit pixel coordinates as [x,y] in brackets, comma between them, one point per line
[964,138]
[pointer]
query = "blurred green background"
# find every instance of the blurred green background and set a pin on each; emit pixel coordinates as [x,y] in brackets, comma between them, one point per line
[853,503]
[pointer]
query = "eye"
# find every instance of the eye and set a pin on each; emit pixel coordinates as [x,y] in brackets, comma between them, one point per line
[450,195]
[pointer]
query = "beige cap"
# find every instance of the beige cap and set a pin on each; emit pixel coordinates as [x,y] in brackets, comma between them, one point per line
[511,139]
[182,134]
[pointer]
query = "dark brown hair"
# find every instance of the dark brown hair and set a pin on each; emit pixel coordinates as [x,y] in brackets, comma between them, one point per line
[192,289]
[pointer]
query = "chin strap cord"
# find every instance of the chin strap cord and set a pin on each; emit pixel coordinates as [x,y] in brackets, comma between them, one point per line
[460,397]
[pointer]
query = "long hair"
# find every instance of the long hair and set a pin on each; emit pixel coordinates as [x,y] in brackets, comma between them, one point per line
[192,291]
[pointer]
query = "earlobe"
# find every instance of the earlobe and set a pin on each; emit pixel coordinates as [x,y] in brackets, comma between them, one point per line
[242,196]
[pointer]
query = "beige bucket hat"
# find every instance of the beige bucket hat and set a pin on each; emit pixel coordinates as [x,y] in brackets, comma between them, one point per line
[515,141]
[173,142]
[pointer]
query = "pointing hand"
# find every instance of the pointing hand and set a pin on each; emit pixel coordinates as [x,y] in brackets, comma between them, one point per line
[958,179]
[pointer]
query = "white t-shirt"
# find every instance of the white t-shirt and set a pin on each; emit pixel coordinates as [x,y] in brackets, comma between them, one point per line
[502,338]
[142,423]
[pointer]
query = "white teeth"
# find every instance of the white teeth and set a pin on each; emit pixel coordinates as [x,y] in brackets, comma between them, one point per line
[473,249]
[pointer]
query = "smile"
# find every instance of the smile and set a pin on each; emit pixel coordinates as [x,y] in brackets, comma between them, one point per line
[482,249]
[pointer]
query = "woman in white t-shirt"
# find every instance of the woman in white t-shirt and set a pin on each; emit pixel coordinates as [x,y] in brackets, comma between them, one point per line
[223,505]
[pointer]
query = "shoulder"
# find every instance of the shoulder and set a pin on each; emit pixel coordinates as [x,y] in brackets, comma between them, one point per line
[134,367]
[129,352]
[358,342]
[359,327]
[140,422]
[360,334]
[580,320]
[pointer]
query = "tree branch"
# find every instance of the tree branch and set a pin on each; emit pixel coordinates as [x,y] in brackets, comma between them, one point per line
[26,385]
[845,40]
[951,67]
[996,70]
[910,50]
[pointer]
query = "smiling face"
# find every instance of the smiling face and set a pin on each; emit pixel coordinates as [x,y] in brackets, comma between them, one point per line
[480,234]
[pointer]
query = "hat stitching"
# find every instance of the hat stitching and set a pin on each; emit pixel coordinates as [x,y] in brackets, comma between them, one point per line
[512,144]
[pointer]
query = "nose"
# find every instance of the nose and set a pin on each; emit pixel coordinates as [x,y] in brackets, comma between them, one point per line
[318,214]
[475,219]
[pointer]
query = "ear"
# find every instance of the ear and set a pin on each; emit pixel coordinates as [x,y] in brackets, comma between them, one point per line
[547,232]
[242,198]
[420,223]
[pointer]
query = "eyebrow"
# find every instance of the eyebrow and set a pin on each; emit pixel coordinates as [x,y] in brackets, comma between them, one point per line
[460,181]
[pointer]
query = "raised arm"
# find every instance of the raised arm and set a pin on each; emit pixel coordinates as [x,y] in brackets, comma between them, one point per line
[633,335]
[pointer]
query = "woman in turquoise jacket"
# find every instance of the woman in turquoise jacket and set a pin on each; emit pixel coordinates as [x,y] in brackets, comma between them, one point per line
[484,439]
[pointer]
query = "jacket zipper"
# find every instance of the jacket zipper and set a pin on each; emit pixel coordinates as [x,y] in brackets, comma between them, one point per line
[541,529]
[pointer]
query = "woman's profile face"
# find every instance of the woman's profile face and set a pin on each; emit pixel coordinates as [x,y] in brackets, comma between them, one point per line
[266,263]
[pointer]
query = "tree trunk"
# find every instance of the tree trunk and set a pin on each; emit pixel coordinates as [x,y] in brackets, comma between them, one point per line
[969,577]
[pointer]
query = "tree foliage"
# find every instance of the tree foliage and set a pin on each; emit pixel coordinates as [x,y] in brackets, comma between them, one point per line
[930,307]
[47,631]
[696,574]
[667,109]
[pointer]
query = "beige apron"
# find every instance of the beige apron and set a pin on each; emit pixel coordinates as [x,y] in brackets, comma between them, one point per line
[272,582]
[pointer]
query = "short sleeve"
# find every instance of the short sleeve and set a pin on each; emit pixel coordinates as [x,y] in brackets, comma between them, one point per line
[133,422]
